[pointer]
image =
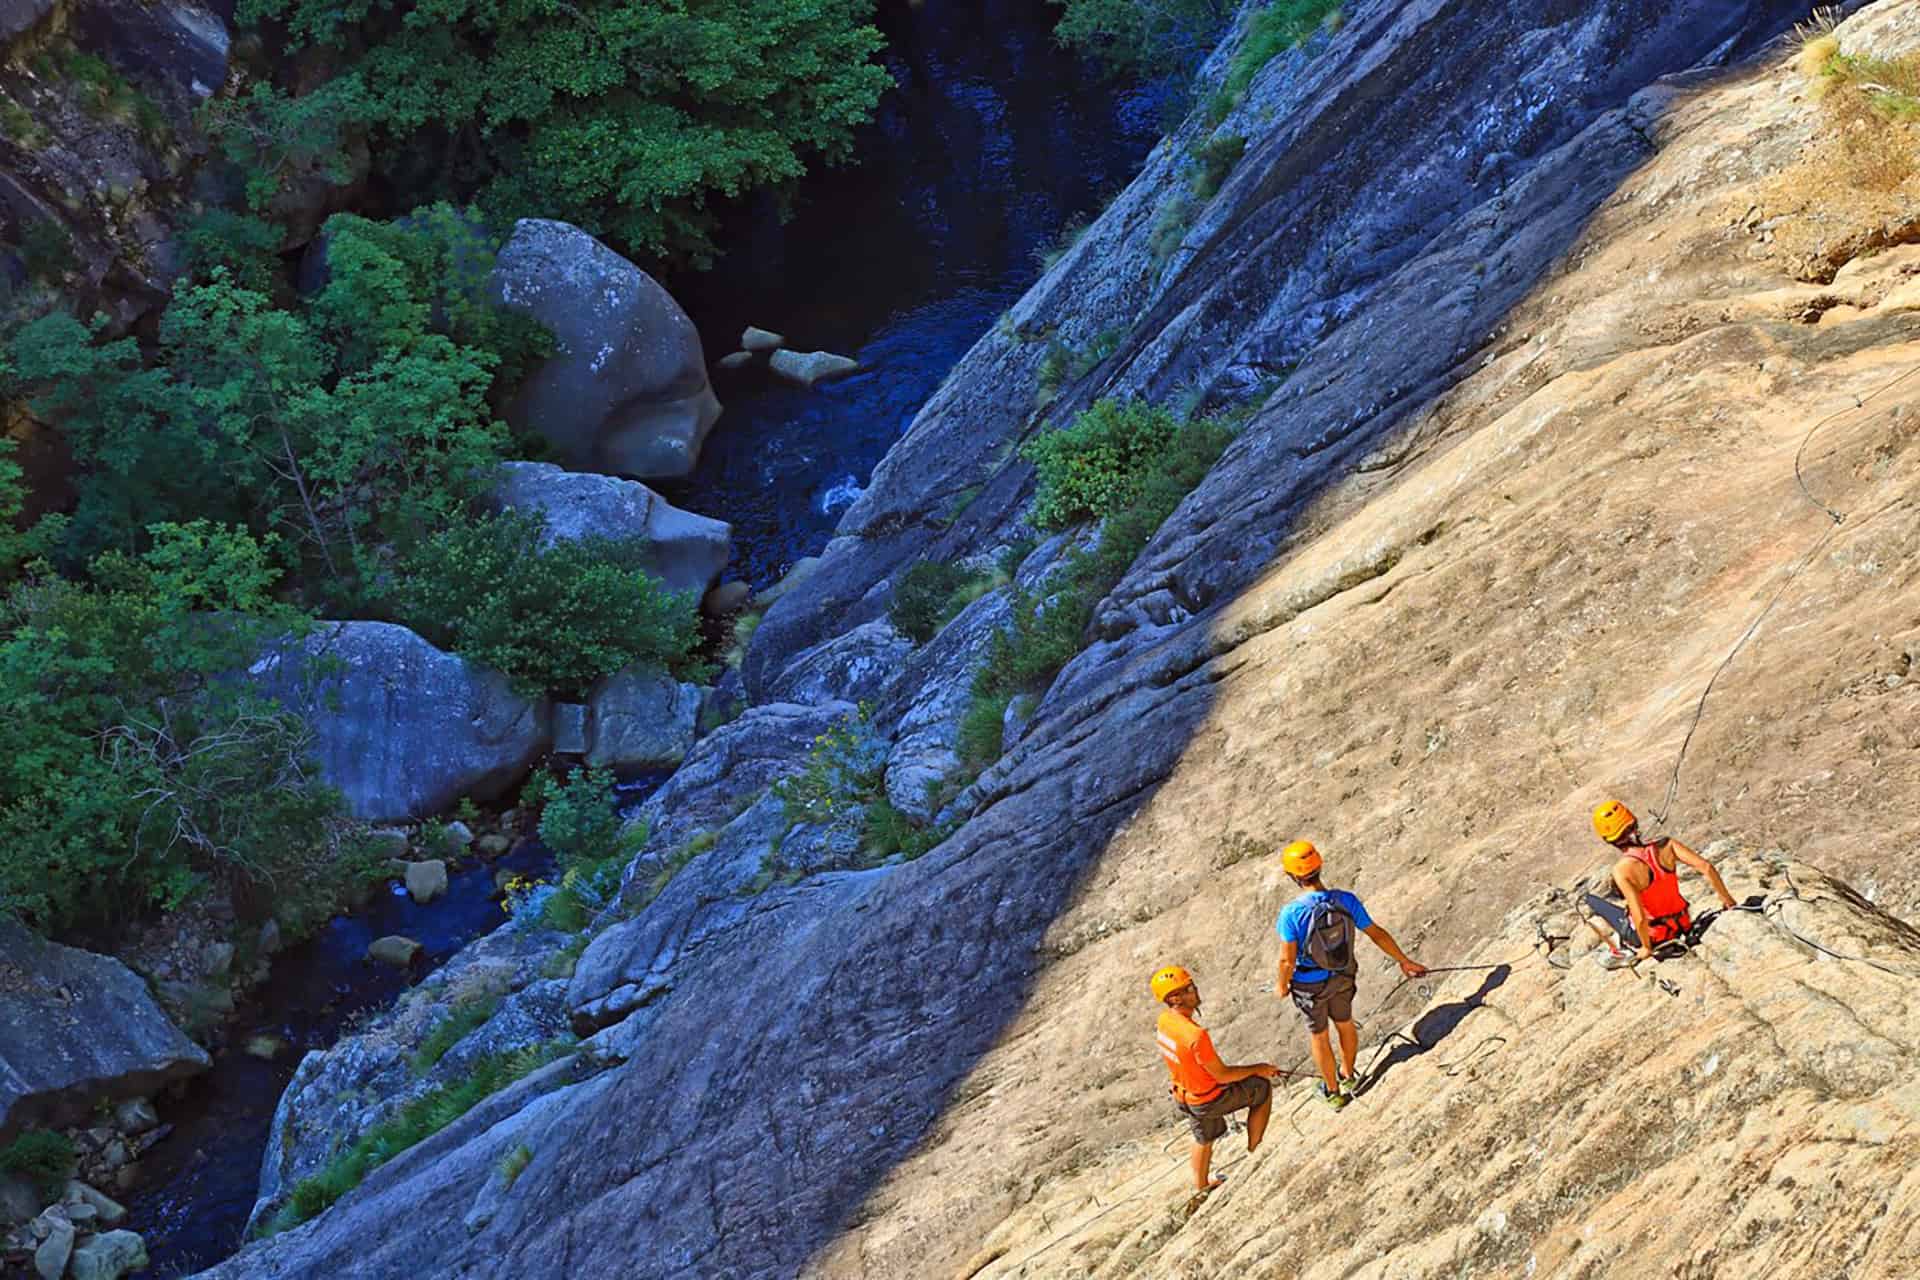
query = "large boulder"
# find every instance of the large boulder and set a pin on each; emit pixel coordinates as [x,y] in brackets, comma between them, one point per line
[75,1028]
[639,719]
[627,389]
[401,728]
[686,551]
[109,1256]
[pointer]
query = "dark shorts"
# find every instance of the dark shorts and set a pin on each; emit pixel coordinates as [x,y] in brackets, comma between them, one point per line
[1329,998]
[1208,1120]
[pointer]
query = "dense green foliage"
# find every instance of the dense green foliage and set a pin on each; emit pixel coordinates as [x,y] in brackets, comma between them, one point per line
[1142,37]
[1127,464]
[413,1123]
[580,821]
[358,420]
[129,775]
[42,1157]
[844,769]
[553,619]
[624,117]
[931,593]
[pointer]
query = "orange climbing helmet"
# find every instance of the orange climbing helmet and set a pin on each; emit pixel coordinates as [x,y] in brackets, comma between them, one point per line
[1168,980]
[1300,858]
[1611,820]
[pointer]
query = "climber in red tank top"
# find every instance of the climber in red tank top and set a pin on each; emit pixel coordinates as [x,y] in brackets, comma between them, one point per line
[1647,876]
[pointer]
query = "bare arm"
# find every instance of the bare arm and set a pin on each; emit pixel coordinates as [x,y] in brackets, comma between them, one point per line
[1283,981]
[1630,887]
[1228,1075]
[1384,940]
[1705,868]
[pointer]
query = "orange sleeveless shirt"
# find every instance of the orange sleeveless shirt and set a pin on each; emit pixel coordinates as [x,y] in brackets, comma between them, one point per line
[1667,912]
[1182,1042]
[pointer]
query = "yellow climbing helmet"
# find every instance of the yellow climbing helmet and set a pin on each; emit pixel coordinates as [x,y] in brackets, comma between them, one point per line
[1611,820]
[1300,858]
[1168,980]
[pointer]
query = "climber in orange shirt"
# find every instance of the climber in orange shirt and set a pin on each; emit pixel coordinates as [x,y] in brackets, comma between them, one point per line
[1647,876]
[1206,1090]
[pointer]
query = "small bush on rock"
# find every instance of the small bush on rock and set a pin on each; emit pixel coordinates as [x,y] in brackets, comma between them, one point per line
[466,1016]
[552,619]
[844,770]
[42,1157]
[580,821]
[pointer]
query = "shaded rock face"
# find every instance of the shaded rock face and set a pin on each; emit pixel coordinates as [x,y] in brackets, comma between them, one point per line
[684,550]
[113,188]
[1431,651]
[76,1027]
[338,1094]
[401,728]
[627,390]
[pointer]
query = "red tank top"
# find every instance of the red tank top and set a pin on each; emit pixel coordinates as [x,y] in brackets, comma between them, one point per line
[1667,915]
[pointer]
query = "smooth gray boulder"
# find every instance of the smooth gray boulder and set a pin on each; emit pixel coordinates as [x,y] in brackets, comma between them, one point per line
[403,729]
[108,1257]
[626,391]
[570,728]
[684,550]
[50,1259]
[75,1028]
[426,880]
[804,368]
[394,950]
[640,719]
[758,341]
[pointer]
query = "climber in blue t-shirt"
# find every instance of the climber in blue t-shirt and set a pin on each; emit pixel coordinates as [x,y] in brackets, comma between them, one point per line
[1317,964]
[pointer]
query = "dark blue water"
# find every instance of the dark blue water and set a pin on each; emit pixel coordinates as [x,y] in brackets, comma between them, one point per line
[993,142]
[202,1178]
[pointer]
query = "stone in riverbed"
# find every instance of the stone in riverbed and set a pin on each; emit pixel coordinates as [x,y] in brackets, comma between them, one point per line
[638,719]
[426,880]
[75,1027]
[735,361]
[728,597]
[50,1259]
[394,950]
[136,1116]
[109,1256]
[493,845]
[626,390]
[804,368]
[106,1209]
[569,728]
[757,341]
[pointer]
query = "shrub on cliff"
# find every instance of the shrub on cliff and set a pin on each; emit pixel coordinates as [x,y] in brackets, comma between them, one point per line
[1142,37]
[551,619]
[1104,462]
[624,117]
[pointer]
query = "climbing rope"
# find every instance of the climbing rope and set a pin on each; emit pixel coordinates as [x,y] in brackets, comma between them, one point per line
[1837,518]
[1771,911]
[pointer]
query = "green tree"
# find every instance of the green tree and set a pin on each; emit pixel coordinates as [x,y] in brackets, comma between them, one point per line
[552,619]
[623,116]
[1143,37]
[356,424]
[131,773]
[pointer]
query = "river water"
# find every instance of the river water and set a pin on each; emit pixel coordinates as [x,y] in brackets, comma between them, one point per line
[992,143]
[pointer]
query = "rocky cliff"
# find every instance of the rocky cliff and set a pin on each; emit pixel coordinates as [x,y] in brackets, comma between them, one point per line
[1552,296]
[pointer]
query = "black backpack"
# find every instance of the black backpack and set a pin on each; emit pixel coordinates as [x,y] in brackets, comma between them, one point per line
[1329,943]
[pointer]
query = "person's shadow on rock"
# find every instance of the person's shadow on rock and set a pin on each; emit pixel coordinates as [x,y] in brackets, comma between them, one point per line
[1435,1025]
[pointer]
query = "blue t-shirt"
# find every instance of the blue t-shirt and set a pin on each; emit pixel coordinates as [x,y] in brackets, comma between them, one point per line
[1292,927]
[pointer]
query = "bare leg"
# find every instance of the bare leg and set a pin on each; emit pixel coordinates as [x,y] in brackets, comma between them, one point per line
[1257,1124]
[1349,1044]
[1323,1059]
[1202,1161]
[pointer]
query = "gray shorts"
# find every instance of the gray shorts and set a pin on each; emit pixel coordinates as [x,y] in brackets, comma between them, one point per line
[1329,998]
[1208,1120]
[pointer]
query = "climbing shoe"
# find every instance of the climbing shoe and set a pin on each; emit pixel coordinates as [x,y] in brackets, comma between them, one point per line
[1333,1099]
[1350,1085]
